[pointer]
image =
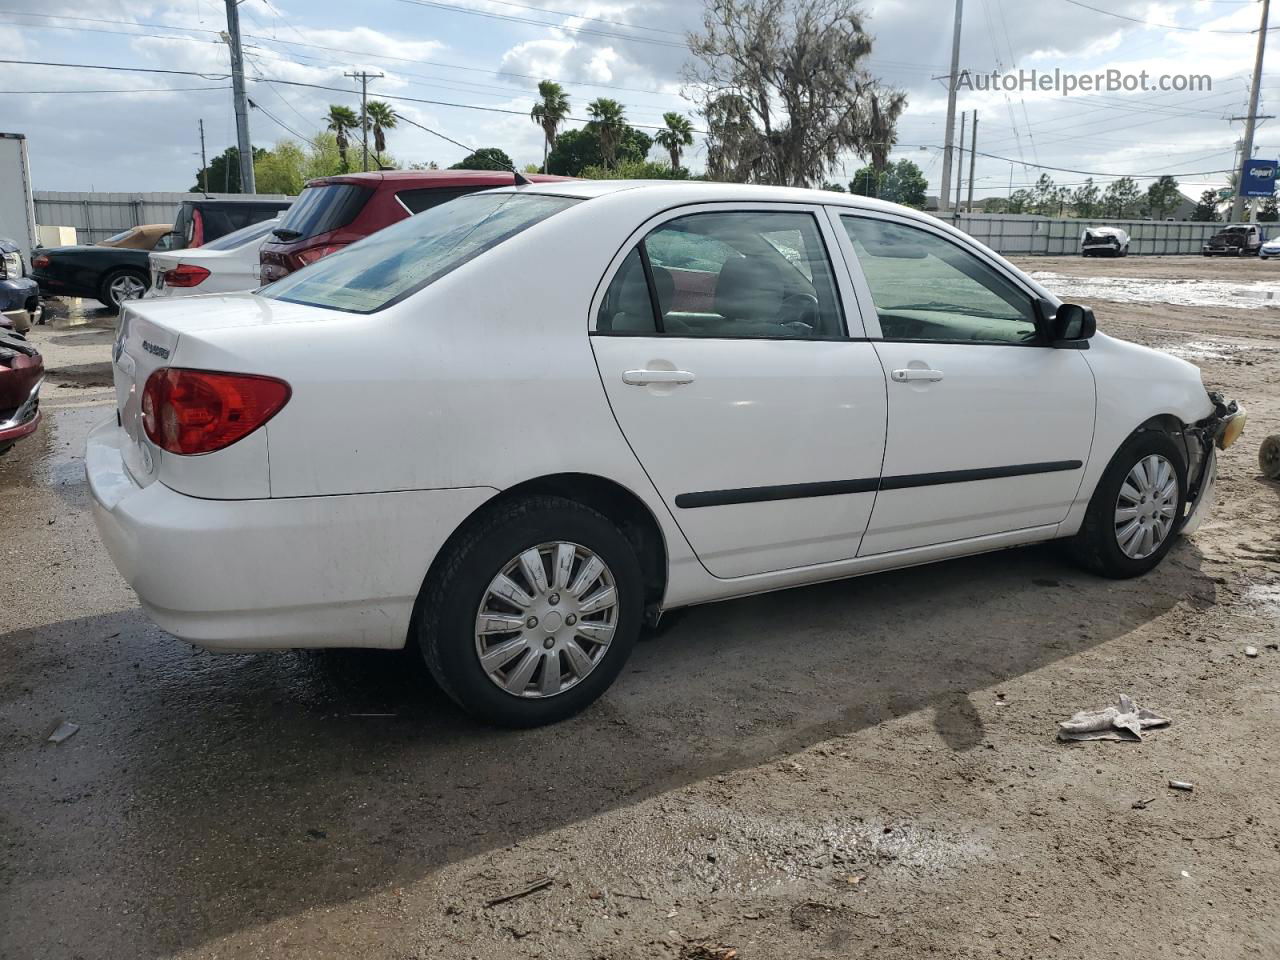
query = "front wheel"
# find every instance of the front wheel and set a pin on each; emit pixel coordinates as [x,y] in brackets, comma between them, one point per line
[532,612]
[1136,510]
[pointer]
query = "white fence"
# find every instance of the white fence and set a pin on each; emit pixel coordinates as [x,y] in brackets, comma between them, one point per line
[97,216]
[1051,236]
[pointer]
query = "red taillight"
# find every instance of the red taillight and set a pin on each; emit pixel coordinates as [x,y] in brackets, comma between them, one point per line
[40,260]
[312,254]
[197,411]
[185,275]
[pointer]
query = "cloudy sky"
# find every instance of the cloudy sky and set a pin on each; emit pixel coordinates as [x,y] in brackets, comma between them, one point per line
[129,131]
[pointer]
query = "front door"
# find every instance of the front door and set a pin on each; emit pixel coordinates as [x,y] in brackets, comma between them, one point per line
[722,344]
[989,427]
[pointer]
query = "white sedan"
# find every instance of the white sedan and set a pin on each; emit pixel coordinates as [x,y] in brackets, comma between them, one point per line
[226,265]
[509,430]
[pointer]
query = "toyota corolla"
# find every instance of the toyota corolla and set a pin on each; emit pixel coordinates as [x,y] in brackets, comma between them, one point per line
[510,430]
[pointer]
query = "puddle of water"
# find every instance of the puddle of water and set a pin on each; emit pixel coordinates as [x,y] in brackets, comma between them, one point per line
[1265,598]
[728,852]
[1189,293]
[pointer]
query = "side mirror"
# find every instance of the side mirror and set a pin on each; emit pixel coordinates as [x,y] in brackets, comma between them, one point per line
[1069,327]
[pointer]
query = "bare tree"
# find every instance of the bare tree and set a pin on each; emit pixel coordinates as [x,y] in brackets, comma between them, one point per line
[785,92]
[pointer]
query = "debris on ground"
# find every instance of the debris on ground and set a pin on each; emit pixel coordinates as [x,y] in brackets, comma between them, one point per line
[708,951]
[1181,785]
[539,884]
[1144,803]
[1124,721]
[1250,651]
[64,731]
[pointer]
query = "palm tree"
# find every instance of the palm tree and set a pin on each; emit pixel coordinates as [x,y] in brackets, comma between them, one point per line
[678,134]
[609,121]
[342,120]
[379,116]
[549,114]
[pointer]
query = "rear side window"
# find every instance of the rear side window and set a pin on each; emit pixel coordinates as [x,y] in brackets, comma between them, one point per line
[322,209]
[393,263]
[415,201]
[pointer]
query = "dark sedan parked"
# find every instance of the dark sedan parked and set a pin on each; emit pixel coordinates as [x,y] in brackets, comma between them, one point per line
[21,372]
[109,274]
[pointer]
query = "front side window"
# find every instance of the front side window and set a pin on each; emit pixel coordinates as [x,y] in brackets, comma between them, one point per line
[930,289]
[401,259]
[749,274]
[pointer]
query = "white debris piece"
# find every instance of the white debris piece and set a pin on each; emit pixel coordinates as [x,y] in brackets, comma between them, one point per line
[1124,721]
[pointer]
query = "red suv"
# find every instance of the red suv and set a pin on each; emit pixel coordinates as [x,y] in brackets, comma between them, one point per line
[332,212]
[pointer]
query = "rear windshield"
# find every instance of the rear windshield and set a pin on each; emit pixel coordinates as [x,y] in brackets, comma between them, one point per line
[321,209]
[400,260]
[238,238]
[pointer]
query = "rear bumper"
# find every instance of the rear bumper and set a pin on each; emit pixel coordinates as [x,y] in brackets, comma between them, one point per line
[337,571]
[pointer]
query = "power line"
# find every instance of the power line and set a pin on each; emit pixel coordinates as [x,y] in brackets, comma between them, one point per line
[33,93]
[281,123]
[1159,26]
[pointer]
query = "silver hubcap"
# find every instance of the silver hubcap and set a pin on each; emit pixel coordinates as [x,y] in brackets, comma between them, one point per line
[546,621]
[1147,507]
[126,288]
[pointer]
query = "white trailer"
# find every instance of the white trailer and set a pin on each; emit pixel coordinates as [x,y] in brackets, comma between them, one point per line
[17,211]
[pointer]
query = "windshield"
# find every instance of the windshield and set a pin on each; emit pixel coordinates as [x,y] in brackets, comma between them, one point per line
[402,259]
[321,209]
[238,238]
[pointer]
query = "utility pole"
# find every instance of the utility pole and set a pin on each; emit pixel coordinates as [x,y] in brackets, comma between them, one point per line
[204,164]
[973,155]
[364,79]
[960,162]
[245,147]
[944,200]
[1237,207]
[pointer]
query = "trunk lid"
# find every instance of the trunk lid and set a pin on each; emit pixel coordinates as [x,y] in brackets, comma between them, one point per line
[149,337]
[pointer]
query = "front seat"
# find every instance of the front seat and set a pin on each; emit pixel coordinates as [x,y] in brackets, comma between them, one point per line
[749,293]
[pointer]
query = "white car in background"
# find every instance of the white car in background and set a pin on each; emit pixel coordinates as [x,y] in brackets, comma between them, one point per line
[226,265]
[1269,249]
[1104,242]
[509,429]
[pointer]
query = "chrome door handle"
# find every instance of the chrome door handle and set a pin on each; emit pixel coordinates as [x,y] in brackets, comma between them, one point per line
[913,373]
[640,378]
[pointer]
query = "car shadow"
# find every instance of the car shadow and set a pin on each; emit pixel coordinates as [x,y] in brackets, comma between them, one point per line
[206,793]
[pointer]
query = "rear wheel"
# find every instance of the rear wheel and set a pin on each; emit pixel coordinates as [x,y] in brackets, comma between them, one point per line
[1134,515]
[121,285]
[532,613]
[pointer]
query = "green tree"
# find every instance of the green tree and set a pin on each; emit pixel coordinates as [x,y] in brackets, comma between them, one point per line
[486,158]
[609,120]
[549,113]
[902,182]
[1206,210]
[1044,197]
[342,121]
[833,187]
[1122,198]
[1163,196]
[282,169]
[675,136]
[575,150]
[634,170]
[867,182]
[1020,201]
[223,173]
[786,91]
[1086,199]
[1267,211]
[379,118]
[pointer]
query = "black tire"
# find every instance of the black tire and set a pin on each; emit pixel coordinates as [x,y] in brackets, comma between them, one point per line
[450,600]
[104,290]
[1095,547]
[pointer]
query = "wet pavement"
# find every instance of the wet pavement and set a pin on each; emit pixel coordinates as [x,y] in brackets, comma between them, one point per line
[831,771]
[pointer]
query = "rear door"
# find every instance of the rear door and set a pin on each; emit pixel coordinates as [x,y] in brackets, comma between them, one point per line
[989,427]
[722,335]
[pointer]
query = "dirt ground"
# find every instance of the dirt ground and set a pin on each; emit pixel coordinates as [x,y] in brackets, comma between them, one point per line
[860,769]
